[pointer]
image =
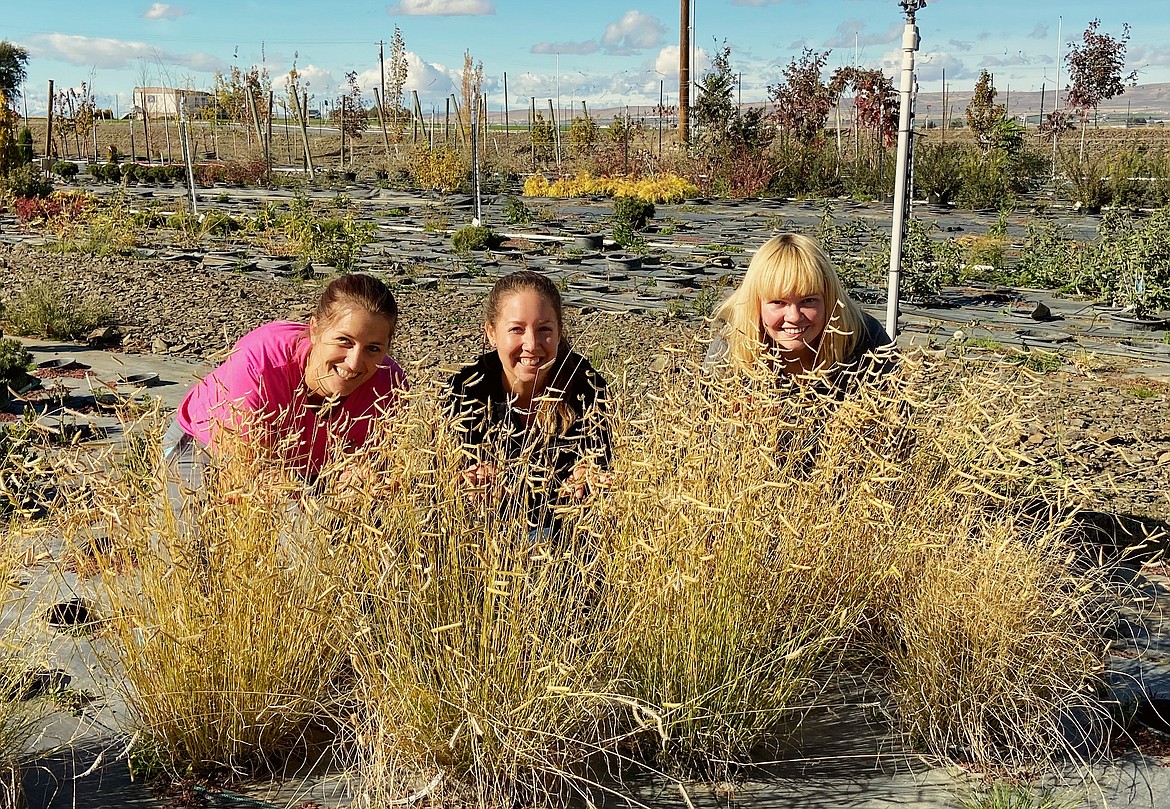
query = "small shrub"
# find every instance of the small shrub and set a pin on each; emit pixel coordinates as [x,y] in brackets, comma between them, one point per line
[439,169]
[24,146]
[66,170]
[245,172]
[26,181]
[333,240]
[218,223]
[633,211]
[516,212]
[475,237]
[49,310]
[14,358]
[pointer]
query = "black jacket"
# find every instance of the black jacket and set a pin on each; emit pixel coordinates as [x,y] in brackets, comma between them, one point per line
[538,463]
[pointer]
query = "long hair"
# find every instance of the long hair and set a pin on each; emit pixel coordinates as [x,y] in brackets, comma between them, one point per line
[789,265]
[553,414]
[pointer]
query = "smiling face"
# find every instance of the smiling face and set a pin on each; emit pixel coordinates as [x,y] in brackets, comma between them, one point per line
[794,323]
[346,352]
[526,333]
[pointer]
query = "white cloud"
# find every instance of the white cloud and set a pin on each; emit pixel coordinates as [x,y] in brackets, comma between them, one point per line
[634,32]
[666,63]
[851,33]
[105,52]
[579,48]
[163,11]
[443,8]
[431,81]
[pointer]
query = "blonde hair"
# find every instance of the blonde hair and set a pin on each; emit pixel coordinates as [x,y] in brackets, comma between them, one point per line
[789,265]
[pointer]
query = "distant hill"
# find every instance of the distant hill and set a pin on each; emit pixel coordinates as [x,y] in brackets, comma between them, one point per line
[1149,101]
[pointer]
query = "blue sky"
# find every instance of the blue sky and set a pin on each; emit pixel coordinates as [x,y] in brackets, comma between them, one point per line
[604,52]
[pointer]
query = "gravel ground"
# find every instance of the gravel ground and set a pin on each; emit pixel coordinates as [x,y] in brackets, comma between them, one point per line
[1108,425]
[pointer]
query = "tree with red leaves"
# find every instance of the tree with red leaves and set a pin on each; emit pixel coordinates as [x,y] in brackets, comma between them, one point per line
[1095,71]
[801,99]
[875,100]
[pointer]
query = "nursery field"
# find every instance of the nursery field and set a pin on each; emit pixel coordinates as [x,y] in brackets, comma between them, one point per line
[946,591]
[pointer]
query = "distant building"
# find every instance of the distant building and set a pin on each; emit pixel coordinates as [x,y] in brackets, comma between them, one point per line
[165,101]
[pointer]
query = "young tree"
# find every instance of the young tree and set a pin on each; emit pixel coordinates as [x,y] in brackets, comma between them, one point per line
[983,112]
[1095,71]
[232,91]
[9,147]
[13,70]
[350,110]
[393,104]
[471,87]
[713,108]
[802,100]
[875,101]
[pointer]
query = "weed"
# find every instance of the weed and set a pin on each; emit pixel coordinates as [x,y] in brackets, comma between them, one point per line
[1016,796]
[333,240]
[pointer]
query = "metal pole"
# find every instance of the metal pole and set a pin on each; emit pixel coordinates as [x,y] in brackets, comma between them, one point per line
[901,186]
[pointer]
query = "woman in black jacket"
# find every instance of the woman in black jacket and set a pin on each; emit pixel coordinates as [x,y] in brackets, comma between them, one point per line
[531,412]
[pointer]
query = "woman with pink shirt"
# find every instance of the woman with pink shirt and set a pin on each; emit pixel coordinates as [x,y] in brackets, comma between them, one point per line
[302,392]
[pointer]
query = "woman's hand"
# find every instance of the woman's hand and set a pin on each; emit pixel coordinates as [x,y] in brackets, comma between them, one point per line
[586,477]
[361,477]
[480,475]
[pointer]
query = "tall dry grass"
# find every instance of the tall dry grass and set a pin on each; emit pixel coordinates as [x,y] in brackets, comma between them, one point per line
[756,543]
[222,608]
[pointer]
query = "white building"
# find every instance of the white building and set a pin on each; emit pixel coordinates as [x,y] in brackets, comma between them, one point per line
[165,101]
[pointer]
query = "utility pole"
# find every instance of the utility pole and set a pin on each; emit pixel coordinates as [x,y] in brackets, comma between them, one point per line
[684,73]
[901,178]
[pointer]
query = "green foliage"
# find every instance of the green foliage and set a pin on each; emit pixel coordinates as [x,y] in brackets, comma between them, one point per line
[927,264]
[475,237]
[986,181]
[633,211]
[938,170]
[66,170]
[24,145]
[14,358]
[13,69]
[583,135]
[109,172]
[26,181]
[1047,258]
[515,211]
[333,240]
[630,215]
[48,310]
[1134,260]
[543,137]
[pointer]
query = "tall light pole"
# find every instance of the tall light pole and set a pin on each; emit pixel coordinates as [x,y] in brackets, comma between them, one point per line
[684,73]
[902,174]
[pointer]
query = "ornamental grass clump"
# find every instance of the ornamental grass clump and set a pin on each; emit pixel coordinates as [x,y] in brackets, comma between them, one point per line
[26,696]
[753,545]
[222,610]
[483,655]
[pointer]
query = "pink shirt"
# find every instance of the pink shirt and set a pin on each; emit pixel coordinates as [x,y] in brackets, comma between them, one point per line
[262,383]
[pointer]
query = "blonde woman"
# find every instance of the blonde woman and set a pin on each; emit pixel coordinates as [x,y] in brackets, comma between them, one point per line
[790,314]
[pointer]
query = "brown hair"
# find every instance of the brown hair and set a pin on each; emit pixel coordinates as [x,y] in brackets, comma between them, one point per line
[357,291]
[520,281]
[553,414]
